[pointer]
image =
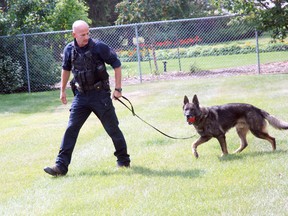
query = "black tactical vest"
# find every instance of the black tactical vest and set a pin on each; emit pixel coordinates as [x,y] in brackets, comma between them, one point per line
[87,69]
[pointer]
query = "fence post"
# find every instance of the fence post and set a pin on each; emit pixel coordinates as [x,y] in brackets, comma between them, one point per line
[179,59]
[178,52]
[138,53]
[257,51]
[26,62]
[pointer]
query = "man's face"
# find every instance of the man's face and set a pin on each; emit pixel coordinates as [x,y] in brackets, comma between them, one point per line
[81,34]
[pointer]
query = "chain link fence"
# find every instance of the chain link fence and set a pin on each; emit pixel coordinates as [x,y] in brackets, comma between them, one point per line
[204,46]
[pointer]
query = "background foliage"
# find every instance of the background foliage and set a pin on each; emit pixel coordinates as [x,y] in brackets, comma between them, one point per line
[66,12]
[264,15]
[11,74]
[28,16]
[147,10]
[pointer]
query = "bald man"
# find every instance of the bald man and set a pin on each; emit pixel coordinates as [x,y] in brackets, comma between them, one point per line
[86,58]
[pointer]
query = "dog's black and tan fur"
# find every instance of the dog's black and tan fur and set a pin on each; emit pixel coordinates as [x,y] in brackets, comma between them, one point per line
[215,121]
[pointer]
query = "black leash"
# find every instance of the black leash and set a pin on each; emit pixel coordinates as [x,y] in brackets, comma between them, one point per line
[134,114]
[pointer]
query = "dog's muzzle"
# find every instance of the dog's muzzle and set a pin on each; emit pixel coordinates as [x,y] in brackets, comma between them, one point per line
[190,119]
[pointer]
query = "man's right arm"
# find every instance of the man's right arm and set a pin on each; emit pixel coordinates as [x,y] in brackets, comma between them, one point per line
[64,80]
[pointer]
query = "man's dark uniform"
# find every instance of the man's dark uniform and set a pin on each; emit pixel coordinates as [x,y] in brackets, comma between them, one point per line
[92,94]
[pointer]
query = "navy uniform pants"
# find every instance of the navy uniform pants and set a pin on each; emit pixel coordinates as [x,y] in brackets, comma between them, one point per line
[100,103]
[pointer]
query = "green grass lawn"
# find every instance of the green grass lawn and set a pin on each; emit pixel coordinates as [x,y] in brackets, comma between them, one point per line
[164,179]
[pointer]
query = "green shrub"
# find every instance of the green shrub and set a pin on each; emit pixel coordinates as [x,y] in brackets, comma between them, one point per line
[44,71]
[216,50]
[194,51]
[277,47]
[194,68]
[10,75]
[163,54]
[240,47]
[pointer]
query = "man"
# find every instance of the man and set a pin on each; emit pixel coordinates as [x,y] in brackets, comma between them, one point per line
[86,58]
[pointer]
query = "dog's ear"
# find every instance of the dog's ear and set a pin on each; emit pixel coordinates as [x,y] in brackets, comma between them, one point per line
[186,100]
[195,100]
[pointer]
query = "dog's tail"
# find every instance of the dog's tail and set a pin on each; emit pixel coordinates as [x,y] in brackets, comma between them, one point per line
[275,122]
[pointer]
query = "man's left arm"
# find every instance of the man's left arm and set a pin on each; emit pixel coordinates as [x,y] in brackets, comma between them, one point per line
[118,83]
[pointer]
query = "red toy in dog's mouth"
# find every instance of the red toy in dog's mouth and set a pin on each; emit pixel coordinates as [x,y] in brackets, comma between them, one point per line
[191,119]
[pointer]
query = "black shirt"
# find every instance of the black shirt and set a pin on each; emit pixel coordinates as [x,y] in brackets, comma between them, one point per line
[102,50]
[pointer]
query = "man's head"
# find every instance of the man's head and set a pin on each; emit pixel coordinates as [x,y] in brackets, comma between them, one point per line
[80,32]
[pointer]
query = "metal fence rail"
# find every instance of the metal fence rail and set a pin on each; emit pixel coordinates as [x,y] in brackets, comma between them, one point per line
[196,46]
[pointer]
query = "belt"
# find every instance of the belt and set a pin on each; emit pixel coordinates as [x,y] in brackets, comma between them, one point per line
[100,85]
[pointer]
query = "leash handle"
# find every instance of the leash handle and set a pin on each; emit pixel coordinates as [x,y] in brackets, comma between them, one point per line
[131,108]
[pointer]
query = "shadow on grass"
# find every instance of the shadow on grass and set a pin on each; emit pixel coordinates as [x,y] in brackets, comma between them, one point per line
[145,171]
[26,103]
[240,156]
[167,173]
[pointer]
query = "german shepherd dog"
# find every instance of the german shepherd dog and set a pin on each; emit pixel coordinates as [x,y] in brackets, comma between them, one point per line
[215,121]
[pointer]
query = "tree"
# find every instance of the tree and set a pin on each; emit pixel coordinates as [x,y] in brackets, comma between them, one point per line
[156,10]
[30,16]
[25,16]
[102,12]
[2,17]
[66,12]
[264,15]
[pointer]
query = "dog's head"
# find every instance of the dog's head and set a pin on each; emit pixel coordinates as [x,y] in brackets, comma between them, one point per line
[191,110]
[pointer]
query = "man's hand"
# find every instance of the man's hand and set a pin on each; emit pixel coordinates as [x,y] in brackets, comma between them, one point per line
[63,97]
[64,79]
[117,94]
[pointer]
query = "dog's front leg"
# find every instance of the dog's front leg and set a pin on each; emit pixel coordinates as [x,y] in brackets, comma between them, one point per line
[223,144]
[197,143]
